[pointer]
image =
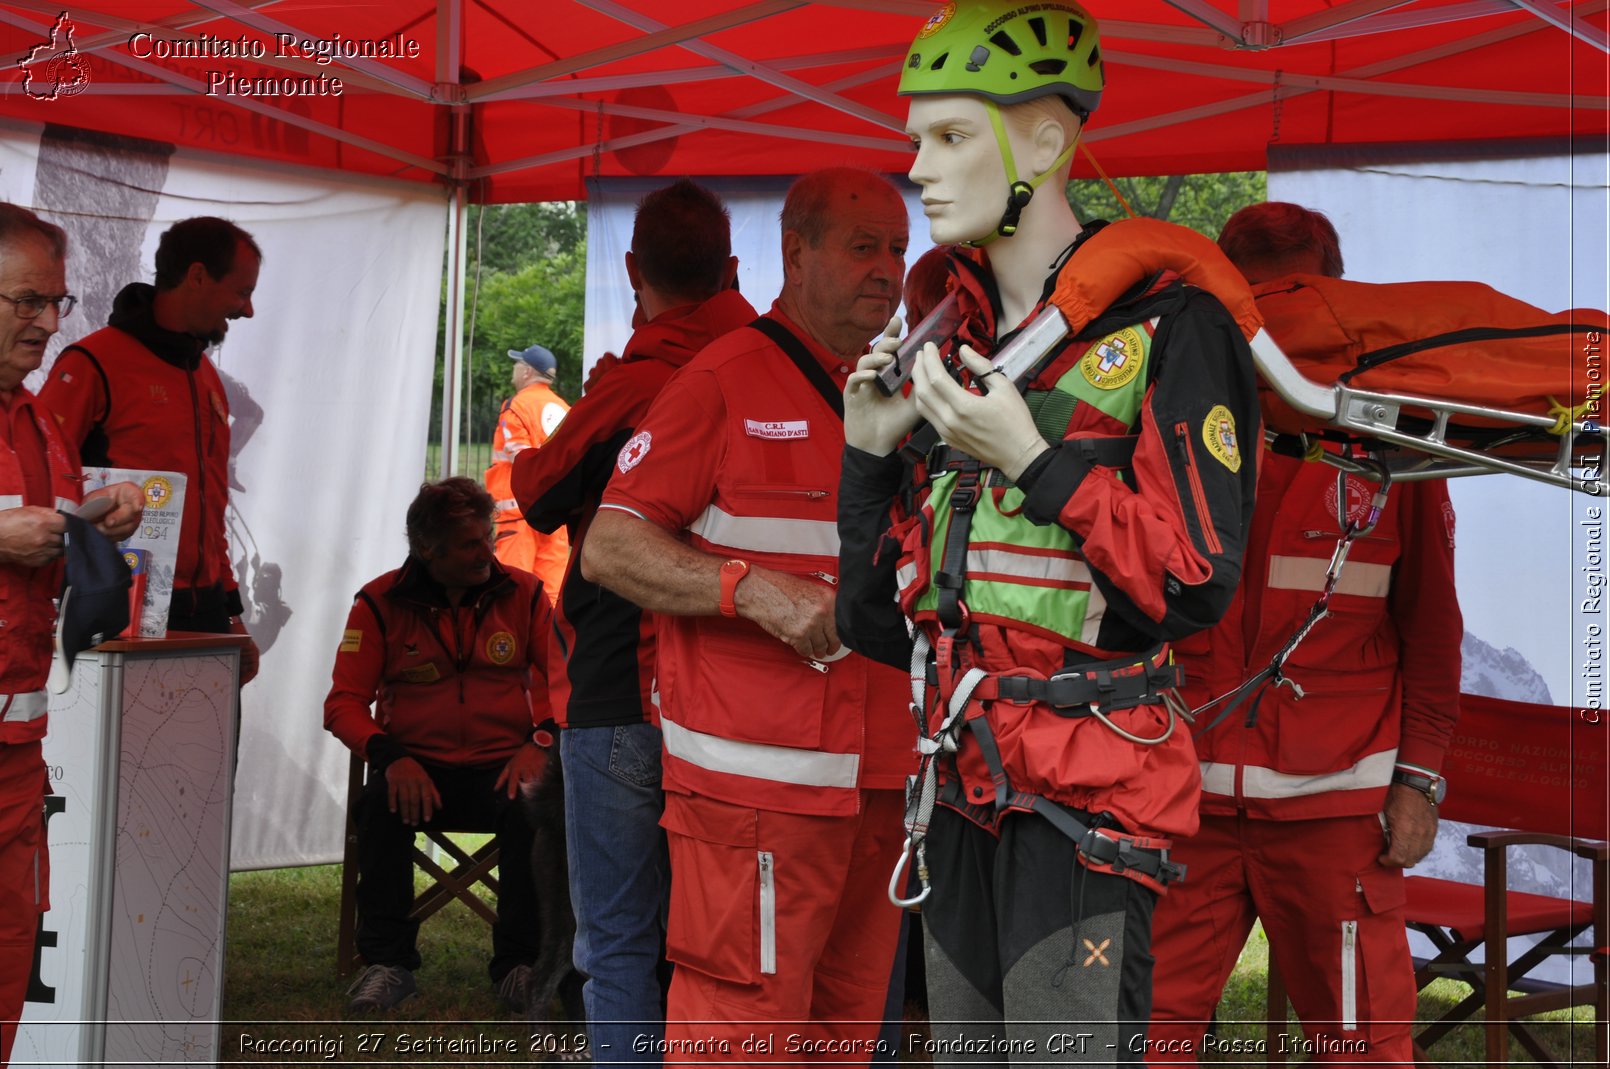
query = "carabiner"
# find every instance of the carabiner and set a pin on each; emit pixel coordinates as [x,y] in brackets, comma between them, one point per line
[896,882]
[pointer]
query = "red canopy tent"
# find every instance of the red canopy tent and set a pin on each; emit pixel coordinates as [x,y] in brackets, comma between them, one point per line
[522,101]
[505,101]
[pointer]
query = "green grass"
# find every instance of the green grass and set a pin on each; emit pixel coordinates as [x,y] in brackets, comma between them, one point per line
[280,967]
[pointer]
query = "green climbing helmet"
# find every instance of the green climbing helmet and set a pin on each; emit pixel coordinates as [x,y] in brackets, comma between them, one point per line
[1008,51]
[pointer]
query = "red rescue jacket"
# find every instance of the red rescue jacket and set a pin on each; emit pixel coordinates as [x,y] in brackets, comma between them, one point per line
[27,614]
[457,685]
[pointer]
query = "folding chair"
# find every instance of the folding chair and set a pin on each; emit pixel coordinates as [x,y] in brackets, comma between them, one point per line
[447,885]
[1537,774]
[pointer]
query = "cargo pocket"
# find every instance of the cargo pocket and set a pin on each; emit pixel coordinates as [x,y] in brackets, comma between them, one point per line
[715,924]
[1386,983]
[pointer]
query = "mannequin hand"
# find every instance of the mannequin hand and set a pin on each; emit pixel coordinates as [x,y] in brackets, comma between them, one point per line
[995,427]
[872,422]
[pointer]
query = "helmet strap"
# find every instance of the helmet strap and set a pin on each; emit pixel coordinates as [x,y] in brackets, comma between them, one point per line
[1019,193]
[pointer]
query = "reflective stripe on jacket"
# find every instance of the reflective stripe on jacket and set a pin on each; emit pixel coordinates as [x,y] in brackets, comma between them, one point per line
[27,612]
[746,455]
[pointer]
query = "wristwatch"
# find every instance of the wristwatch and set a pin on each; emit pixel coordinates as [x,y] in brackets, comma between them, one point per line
[732,573]
[1433,786]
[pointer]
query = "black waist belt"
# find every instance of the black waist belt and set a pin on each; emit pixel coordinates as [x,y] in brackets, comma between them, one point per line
[1107,685]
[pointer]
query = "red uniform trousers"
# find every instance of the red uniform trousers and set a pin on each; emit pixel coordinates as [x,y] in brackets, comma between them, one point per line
[1334,918]
[832,930]
[24,877]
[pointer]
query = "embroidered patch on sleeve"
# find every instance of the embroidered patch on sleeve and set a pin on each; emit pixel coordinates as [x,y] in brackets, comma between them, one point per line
[351,640]
[1218,434]
[633,452]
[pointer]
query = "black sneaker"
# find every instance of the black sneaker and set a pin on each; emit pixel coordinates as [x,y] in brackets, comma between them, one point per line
[380,987]
[515,989]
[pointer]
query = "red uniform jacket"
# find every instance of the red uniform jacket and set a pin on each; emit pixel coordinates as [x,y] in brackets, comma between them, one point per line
[740,456]
[1380,673]
[605,642]
[123,403]
[27,616]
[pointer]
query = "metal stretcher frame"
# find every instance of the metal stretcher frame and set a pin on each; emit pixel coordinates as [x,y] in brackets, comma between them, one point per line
[1378,417]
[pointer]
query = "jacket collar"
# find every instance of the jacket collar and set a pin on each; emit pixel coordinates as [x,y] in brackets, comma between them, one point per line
[415,586]
[134,313]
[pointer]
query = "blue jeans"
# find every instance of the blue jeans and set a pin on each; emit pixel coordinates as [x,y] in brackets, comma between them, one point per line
[620,878]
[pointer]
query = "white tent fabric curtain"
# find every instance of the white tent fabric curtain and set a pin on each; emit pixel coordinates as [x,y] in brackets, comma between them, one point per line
[330,388]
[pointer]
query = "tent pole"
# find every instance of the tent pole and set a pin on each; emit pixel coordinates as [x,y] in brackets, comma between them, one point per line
[453,349]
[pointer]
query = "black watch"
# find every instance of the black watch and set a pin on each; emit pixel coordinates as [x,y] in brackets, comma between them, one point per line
[1434,787]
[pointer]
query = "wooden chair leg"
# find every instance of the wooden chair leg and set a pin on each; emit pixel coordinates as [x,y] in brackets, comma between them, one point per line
[346,948]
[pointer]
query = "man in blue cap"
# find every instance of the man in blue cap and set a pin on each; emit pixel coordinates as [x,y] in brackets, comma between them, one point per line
[527,420]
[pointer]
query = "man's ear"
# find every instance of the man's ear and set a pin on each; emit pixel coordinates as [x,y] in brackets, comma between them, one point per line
[729,274]
[793,249]
[196,274]
[633,274]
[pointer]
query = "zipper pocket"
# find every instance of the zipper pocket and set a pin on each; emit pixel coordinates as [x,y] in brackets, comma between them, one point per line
[768,915]
[1204,518]
[775,490]
[1350,976]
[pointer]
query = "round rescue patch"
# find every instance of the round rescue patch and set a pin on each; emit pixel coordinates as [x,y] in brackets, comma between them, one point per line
[500,647]
[1218,434]
[156,490]
[1114,361]
[936,21]
[633,452]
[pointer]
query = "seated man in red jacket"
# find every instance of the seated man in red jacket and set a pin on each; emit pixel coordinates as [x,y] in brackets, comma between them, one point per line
[449,649]
[1312,808]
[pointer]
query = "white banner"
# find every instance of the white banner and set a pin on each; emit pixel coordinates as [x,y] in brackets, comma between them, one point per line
[329,392]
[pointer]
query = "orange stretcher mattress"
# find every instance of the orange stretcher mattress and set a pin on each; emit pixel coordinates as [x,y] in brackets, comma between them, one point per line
[1447,341]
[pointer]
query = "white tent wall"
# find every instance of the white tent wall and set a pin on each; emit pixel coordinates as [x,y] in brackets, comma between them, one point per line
[752,203]
[329,408]
[1535,228]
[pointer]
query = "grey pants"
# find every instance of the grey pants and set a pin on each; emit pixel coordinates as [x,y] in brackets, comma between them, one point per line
[1032,958]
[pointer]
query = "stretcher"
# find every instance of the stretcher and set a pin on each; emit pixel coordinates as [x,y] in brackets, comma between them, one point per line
[1433,380]
[1407,381]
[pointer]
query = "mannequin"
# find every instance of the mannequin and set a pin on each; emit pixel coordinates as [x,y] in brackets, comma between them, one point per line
[1071,529]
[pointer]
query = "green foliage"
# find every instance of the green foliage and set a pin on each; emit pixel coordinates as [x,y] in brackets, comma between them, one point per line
[1200,201]
[528,287]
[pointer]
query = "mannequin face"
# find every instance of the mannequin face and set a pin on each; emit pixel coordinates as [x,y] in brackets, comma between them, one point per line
[958,166]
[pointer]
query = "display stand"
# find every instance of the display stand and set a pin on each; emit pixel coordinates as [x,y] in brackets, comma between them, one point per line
[140,753]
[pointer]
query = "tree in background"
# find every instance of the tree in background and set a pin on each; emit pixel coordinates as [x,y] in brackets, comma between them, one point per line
[525,283]
[1200,201]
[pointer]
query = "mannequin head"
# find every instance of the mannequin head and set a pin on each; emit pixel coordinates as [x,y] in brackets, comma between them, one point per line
[1032,74]
[960,165]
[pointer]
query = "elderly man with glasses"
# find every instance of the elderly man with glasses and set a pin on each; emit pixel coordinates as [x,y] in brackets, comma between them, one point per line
[38,477]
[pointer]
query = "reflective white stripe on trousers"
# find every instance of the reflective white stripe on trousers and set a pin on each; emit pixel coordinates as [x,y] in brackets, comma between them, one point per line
[21,708]
[758,760]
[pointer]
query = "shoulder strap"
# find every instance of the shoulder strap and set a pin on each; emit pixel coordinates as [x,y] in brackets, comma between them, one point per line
[106,384]
[808,365]
[374,610]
